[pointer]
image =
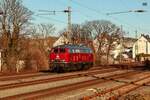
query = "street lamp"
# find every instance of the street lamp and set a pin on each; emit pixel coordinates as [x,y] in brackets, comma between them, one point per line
[137,11]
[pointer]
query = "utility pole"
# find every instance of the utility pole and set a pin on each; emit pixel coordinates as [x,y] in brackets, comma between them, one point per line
[1,13]
[136,34]
[121,44]
[136,45]
[68,11]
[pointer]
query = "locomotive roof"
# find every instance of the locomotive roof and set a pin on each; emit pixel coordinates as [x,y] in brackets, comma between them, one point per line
[72,46]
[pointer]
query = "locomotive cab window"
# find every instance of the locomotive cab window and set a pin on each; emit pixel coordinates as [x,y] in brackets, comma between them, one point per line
[55,50]
[62,50]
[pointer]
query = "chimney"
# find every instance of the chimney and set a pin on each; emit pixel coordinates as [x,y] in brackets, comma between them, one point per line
[147,36]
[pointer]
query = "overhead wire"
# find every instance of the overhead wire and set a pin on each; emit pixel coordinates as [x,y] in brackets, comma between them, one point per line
[78,11]
[136,27]
[89,17]
[48,12]
[48,18]
[104,14]
[85,6]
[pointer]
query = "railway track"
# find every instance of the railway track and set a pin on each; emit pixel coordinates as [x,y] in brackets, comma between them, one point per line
[130,87]
[128,65]
[100,67]
[17,74]
[21,76]
[65,88]
[121,89]
[7,77]
[59,78]
[27,75]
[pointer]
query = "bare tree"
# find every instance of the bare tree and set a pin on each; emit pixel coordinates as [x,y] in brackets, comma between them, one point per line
[115,36]
[41,34]
[104,33]
[47,29]
[42,30]
[15,17]
[75,33]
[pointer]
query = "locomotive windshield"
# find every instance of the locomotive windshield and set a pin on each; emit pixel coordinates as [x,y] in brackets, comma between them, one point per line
[55,50]
[62,50]
[59,50]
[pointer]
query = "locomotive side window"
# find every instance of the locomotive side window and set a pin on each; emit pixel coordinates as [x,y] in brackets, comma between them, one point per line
[71,50]
[90,51]
[86,51]
[77,50]
[82,51]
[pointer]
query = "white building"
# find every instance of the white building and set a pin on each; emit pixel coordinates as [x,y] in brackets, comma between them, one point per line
[118,50]
[61,40]
[141,46]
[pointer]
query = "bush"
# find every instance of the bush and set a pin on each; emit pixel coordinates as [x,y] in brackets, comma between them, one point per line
[36,59]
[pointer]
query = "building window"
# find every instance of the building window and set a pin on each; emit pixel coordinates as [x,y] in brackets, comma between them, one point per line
[136,49]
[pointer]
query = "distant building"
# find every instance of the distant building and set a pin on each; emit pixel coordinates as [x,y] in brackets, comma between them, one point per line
[61,40]
[128,42]
[123,50]
[118,50]
[141,46]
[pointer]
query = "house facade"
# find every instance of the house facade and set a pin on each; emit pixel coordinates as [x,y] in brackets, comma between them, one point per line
[141,46]
[61,40]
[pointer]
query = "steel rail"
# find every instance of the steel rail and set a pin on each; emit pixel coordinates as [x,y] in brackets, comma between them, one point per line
[65,88]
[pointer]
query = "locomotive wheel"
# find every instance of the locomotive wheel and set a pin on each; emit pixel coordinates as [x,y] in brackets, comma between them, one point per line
[75,67]
[65,69]
[56,69]
[79,67]
[82,66]
[86,66]
[61,70]
[71,67]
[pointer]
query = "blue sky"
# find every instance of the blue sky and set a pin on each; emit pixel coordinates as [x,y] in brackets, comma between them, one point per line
[86,10]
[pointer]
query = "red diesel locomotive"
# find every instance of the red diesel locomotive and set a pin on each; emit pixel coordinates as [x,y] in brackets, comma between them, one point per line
[70,57]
